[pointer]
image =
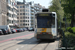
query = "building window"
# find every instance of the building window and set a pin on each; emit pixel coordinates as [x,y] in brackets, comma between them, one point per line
[8,14]
[9,2]
[9,21]
[20,24]
[24,24]
[23,13]
[23,20]
[17,10]
[20,13]
[21,6]
[26,10]
[31,17]
[24,17]
[20,20]
[20,17]
[21,10]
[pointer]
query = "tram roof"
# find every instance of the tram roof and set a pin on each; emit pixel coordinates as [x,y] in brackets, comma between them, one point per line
[46,12]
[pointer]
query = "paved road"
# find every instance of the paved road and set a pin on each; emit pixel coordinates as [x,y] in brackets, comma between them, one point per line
[4,37]
[25,41]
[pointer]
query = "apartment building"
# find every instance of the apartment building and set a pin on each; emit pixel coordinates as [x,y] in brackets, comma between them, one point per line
[3,12]
[26,13]
[21,14]
[11,12]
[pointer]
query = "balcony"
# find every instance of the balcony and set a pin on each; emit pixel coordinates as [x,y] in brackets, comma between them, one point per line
[32,6]
[15,18]
[10,12]
[15,7]
[10,24]
[32,15]
[15,13]
[32,10]
[10,5]
[10,18]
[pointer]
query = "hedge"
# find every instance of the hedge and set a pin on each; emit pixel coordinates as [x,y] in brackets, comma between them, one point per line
[70,39]
[71,29]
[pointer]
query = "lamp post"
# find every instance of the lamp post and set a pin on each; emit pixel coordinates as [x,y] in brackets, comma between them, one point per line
[63,31]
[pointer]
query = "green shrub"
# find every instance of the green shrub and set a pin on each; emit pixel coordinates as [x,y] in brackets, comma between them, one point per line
[70,39]
[73,30]
[69,29]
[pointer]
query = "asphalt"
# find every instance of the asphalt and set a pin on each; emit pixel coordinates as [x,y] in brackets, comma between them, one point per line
[9,36]
[26,42]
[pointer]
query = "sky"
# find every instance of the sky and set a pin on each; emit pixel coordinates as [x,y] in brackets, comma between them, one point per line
[45,3]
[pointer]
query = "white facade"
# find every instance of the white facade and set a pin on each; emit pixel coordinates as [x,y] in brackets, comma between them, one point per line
[12,12]
[29,9]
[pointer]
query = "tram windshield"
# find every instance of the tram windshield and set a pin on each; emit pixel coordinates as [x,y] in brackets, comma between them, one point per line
[45,22]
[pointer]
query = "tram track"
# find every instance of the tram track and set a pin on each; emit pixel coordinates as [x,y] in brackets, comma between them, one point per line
[35,45]
[9,45]
[40,42]
[46,46]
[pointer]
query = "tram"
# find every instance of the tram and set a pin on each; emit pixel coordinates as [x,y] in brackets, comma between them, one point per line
[45,25]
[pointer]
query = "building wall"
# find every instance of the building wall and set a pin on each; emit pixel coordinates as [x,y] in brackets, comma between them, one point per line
[3,12]
[12,12]
[20,15]
[29,16]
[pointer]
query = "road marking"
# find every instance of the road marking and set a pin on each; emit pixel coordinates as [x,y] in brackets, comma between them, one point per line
[17,49]
[22,46]
[16,38]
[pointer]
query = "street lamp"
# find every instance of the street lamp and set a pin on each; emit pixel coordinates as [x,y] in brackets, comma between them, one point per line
[63,32]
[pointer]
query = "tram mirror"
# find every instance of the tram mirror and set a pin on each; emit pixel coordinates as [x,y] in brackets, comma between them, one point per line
[53,15]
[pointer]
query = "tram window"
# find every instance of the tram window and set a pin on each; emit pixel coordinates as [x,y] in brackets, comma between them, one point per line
[53,22]
[53,26]
[43,22]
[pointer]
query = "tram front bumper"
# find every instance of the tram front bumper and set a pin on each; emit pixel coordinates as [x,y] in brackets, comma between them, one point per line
[45,36]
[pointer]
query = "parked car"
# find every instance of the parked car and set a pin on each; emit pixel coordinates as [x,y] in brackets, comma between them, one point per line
[21,29]
[5,31]
[13,30]
[18,30]
[6,27]
[1,33]
[25,29]
[31,29]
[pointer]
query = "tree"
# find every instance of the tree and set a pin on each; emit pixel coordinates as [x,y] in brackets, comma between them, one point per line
[56,7]
[69,9]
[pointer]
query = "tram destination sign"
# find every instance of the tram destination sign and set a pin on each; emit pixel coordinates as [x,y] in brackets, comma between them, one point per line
[44,14]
